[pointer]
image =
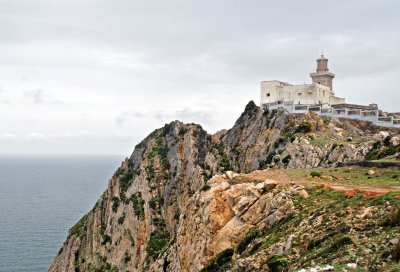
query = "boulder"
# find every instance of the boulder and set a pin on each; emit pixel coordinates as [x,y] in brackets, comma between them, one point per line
[395,141]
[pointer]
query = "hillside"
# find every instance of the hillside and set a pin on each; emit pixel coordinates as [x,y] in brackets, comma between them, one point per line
[177,203]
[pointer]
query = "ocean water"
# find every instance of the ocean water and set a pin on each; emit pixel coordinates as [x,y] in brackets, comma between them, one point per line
[41,198]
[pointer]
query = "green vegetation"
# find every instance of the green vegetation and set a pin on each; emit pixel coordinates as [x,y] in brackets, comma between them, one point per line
[224,161]
[78,227]
[353,176]
[125,180]
[138,205]
[324,236]
[277,263]
[105,239]
[127,257]
[304,127]
[121,219]
[253,234]
[392,219]
[156,201]
[162,152]
[220,262]
[158,241]
[323,140]
[381,150]
[128,233]
[115,203]
[315,174]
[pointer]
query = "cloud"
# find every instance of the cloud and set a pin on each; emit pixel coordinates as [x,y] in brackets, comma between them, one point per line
[60,137]
[38,96]
[126,116]
[186,115]
[7,136]
[121,70]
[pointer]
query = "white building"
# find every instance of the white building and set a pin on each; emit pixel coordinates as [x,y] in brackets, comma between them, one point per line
[319,92]
[319,97]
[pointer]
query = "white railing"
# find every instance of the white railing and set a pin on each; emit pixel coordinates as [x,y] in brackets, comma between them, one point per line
[328,111]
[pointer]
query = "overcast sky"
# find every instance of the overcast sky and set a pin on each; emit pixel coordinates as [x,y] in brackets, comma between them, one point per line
[96,76]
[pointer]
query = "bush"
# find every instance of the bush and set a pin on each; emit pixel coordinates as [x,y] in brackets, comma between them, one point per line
[392,219]
[115,203]
[220,262]
[105,239]
[156,201]
[396,253]
[253,234]
[304,127]
[277,263]
[78,227]
[315,174]
[125,180]
[157,243]
[127,257]
[138,205]
[121,219]
[341,242]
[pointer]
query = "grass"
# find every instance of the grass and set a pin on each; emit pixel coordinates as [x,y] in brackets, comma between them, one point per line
[323,140]
[352,176]
[327,242]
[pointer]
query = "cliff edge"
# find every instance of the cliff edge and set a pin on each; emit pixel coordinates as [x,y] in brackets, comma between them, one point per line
[178,204]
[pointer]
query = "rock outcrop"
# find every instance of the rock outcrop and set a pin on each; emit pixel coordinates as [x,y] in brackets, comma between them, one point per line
[172,206]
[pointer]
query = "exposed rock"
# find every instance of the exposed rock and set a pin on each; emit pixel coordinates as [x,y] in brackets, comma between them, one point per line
[395,141]
[231,174]
[177,201]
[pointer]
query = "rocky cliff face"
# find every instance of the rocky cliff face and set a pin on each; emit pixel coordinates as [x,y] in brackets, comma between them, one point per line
[166,210]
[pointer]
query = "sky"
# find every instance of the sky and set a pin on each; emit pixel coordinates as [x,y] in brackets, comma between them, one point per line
[97,76]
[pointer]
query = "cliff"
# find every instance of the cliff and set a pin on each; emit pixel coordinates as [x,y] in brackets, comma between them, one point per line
[169,208]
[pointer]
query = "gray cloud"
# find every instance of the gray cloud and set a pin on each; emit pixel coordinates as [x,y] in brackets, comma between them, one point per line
[199,61]
[38,96]
[125,116]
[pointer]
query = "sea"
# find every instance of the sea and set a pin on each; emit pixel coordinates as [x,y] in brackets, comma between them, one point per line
[41,198]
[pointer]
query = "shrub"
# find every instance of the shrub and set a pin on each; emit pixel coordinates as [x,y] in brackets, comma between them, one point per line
[121,219]
[392,219]
[396,253]
[157,243]
[138,205]
[105,239]
[253,234]
[78,227]
[341,242]
[156,201]
[277,263]
[125,180]
[220,262]
[286,159]
[115,203]
[315,174]
[127,257]
[304,127]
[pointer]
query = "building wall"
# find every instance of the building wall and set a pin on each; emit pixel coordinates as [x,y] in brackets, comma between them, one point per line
[272,91]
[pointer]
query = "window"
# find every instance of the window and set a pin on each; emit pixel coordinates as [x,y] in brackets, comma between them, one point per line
[268,94]
[299,94]
[309,92]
